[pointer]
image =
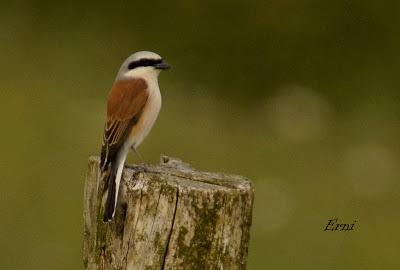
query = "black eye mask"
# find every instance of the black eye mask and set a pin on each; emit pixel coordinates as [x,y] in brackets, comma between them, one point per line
[144,62]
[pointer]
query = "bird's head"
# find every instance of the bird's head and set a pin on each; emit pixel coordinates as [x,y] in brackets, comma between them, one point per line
[142,63]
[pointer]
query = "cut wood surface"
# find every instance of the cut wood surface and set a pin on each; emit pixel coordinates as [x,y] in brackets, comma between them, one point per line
[168,216]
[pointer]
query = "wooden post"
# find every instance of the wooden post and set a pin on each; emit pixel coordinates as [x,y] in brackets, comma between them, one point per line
[168,217]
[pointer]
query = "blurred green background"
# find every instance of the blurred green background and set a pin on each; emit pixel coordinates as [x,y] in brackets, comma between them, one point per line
[301,96]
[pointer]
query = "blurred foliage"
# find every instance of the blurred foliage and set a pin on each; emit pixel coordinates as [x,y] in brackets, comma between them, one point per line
[300,96]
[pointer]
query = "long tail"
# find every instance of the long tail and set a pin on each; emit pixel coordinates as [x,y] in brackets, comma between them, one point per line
[114,178]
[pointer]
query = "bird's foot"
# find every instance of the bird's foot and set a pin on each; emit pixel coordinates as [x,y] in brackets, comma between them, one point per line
[142,168]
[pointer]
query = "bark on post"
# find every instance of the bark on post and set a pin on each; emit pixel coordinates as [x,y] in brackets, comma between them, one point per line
[168,217]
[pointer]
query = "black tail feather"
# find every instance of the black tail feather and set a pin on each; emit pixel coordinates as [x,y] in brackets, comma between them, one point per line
[110,202]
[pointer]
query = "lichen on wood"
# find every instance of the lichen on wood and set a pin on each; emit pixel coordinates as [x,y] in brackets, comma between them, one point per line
[168,216]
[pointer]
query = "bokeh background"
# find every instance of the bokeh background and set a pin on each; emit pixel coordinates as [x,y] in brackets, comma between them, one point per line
[301,96]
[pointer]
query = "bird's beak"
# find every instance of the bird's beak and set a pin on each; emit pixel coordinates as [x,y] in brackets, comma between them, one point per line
[162,65]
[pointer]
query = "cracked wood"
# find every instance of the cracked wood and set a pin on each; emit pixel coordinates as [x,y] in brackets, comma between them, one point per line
[168,216]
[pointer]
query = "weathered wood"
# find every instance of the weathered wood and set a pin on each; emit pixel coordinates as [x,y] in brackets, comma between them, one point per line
[168,217]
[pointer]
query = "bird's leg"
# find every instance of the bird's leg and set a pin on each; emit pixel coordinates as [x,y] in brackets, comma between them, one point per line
[142,166]
[137,153]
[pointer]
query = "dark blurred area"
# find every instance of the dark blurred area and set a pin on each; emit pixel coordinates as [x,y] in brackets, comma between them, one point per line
[300,96]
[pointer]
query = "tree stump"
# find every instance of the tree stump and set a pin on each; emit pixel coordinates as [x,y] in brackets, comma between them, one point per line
[168,216]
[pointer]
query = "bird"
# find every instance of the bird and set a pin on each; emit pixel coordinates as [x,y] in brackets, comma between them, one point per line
[133,105]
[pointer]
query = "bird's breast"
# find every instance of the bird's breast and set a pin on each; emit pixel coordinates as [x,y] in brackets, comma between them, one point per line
[147,118]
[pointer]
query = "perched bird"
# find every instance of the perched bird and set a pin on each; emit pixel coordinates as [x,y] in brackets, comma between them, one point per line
[132,108]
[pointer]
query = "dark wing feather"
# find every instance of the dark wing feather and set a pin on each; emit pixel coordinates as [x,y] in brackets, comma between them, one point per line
[125,104]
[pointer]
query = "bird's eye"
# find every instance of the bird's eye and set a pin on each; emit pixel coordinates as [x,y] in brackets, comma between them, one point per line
[144,62]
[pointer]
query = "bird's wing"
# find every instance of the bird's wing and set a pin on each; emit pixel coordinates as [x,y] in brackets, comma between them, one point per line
[125,104]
